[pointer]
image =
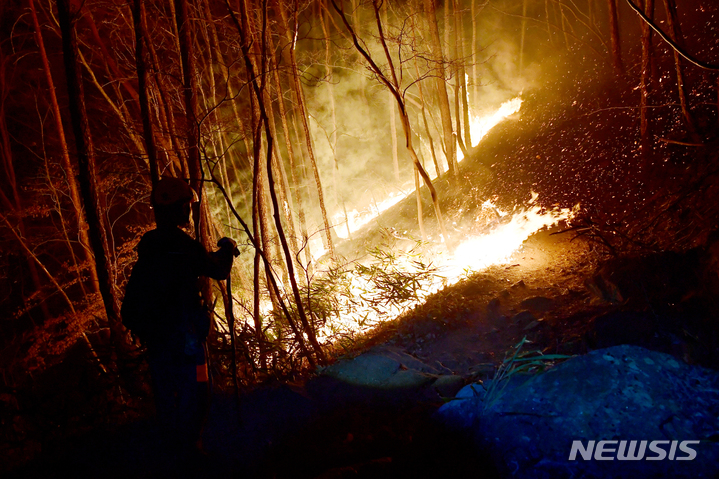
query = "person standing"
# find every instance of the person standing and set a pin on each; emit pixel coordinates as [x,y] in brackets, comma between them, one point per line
[163,307]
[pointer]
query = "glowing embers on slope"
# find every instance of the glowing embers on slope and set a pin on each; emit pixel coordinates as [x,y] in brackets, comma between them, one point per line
[497,240]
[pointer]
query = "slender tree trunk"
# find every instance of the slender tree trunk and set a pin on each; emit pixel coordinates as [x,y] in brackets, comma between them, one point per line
[418,195]
[426,124]
[614,34]
[676,35]
[393,85]
[457,80]
[393,133]
[475,59]
[290,150]
[188,90]
[437,57]
[112,68]
[459,26]
[302,108]
[67,165]
[137,15]
[645,81]
[523,34]
[164,109]
[257,84]
[86,160]
[339,198]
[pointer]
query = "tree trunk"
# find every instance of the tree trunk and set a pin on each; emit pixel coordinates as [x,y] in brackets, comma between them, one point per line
[339,199]
[257,83]
[676,35]
[137,15]
[190,99]
[459,26]
[418,195]
[290,150]
[437,57]
[614,33]
[437,168]
[67,166]
[86,163]
[475,79]
[521,41]
[645,81]
[393,85]
[302,109]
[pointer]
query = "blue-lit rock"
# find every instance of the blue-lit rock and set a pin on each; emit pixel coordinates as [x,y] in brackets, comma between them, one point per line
[619,393]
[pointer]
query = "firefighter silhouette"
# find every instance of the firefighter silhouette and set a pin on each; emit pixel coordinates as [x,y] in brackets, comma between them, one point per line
[163,307]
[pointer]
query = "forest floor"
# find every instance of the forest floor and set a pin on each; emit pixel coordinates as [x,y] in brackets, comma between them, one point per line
[324,428]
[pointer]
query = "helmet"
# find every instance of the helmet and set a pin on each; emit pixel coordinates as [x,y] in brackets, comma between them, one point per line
[171,190]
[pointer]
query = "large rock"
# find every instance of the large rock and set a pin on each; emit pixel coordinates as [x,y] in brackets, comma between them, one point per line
[622,393]
[382,368]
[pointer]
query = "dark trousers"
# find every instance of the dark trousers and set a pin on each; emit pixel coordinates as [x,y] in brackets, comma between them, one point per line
[182,391]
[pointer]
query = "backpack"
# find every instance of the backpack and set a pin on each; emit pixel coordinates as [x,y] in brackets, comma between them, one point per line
[138,310]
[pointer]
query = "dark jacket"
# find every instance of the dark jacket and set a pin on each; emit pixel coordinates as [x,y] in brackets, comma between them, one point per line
[162,304]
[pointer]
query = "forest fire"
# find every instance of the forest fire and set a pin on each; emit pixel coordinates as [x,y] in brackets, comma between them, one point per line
[480,125]
[348,151]
[361,306]
[355,220]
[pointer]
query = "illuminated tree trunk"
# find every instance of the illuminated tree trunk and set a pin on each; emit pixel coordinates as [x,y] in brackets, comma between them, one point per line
[645,81]
[67,166]
[14,205]
[138,7]
[190,100]
[418,196]
[390,111]
[258,83]
[458,81]
[333,136]
[86,161]
[449,140]
[459,26]
[298,202]
[676,35]
[165,114]
[521,41]
[437,168]
[393,134]
[302,111]
[112,69]
[118,108]
[614,33]
[475,80]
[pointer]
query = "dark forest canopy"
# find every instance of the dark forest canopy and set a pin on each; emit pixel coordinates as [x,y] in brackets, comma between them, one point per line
[289,119]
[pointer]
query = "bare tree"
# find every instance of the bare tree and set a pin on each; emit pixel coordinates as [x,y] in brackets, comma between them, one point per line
[394,87]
